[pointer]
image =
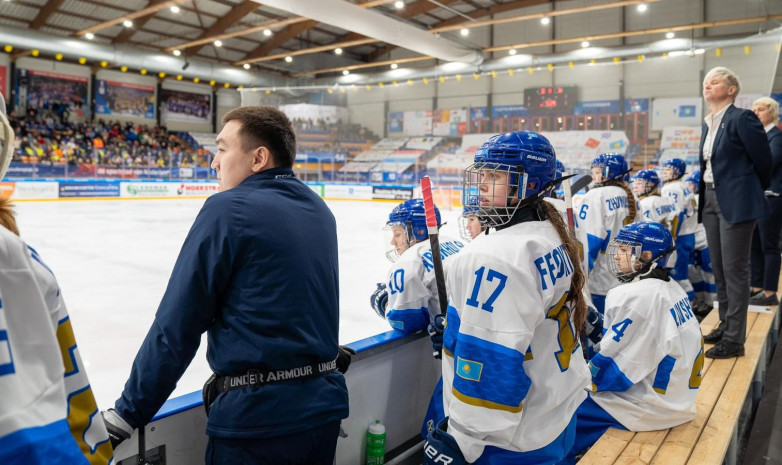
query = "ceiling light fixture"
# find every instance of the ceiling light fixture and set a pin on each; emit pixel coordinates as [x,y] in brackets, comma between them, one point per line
[246,66]
[585,44]
[288,59]
[642,7]
[218,43]
[545,20]
[512,52]
[127,23]
[174,9]
[338,51]
[177,53]
[89,36]
[464,32]
[345,72]
[267,32]
[670,35]
[394,66]
[399,4]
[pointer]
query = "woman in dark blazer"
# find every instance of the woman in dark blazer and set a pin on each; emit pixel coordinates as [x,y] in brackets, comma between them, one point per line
[735,171]
[766,259]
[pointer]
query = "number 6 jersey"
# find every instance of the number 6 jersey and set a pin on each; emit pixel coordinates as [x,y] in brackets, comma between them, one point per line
[513,371]
[648,368]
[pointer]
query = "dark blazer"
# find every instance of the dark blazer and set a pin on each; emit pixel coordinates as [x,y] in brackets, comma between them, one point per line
[775,142]
[741,163]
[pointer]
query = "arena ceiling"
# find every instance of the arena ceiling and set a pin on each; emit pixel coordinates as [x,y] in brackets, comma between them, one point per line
[246,32]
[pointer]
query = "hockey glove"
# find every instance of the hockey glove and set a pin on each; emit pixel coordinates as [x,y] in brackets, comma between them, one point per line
[344,356]
[441,447]
[436,329]
[594,325]
[379,300]
[118,429]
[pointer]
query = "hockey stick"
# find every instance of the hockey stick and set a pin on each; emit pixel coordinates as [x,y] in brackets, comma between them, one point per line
[434,242]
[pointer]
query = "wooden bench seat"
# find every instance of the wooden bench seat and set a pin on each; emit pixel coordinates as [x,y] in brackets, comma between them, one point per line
[705,440]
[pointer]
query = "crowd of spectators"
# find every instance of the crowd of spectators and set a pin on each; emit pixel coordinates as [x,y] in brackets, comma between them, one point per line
[42,137]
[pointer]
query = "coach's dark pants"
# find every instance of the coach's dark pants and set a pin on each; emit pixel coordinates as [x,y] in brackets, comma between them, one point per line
[766,258]
[729,245]
[312,447]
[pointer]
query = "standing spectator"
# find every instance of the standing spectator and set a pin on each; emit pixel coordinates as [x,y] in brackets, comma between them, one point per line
[258,272]
[736,164]
[765,241]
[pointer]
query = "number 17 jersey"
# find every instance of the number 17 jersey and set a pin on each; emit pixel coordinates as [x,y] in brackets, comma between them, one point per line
[513,372]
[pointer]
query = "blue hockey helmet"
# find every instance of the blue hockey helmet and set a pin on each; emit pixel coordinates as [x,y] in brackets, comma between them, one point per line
[411,216]
[676,170]
[627,252]
[612,166]
[508,168]
[560,169]
[695,180]
[645,181]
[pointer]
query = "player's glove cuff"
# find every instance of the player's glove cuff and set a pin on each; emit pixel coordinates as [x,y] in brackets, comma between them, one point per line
[593,326]
[436,329]
[441,447]
[118,428]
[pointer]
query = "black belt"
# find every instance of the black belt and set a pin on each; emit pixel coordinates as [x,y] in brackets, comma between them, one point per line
[709,185]
[257,378]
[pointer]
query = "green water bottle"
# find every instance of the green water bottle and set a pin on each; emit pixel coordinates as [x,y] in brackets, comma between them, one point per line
[376,444]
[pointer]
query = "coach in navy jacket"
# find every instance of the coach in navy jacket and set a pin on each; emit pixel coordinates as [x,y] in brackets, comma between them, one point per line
[258,272]
[735,171]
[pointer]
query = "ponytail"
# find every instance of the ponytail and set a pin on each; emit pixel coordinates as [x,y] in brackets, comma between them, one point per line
[575,296]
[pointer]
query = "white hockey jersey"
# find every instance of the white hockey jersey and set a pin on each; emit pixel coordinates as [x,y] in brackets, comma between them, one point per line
[412,288]
[648,370]
[686,221]
[600,215]
[513,371]
[580,234]
[38,392]
[658,209]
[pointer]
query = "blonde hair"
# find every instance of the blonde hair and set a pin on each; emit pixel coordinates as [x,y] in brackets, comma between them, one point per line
[771,104]
[578,304]
[7,217]
[726,75]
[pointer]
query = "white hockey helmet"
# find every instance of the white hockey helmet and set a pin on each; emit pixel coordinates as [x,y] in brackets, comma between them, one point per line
[6,140]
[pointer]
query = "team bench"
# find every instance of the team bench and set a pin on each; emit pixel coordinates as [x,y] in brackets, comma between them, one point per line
[712,436]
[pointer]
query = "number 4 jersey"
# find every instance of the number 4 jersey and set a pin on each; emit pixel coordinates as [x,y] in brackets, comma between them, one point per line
[513,371]
[648,368]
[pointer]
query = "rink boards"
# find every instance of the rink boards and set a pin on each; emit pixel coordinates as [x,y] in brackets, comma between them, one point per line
[391,379]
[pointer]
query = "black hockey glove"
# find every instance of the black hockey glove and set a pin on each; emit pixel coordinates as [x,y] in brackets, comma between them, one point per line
[344,357]
[436,329]
[379,300]
[594,325]
[118,428]
[441,447]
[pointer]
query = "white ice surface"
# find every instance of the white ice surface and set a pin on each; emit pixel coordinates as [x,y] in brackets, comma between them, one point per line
[113,260]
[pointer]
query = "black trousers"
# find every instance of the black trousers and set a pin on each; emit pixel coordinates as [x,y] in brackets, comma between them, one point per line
[312,447]
[766,258]
[729,246]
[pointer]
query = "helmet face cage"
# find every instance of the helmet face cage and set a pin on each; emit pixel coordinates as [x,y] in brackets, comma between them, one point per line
[645,181]
[624,259]
[392,238]
[495,189]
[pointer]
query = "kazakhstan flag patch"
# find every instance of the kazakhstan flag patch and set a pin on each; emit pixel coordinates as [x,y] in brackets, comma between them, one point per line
[468,369]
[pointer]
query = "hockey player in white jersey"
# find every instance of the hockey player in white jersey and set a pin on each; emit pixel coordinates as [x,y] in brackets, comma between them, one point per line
[648,370]
[470,226]
[701,274]
[686,221]
[646,185]
[513,372]
[607,207]
[409,299]
[47,410]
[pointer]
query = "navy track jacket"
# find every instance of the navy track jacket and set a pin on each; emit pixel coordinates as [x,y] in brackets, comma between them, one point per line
[258,271]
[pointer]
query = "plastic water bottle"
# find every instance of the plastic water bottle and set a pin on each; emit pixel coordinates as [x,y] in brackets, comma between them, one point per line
[376,444]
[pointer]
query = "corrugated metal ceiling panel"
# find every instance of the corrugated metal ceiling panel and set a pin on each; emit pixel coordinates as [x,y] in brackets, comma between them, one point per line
[17,11]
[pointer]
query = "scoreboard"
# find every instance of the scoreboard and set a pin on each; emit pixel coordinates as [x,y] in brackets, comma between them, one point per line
[549,100]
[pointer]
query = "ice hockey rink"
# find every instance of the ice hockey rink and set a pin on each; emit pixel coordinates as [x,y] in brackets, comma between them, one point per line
[113,260]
